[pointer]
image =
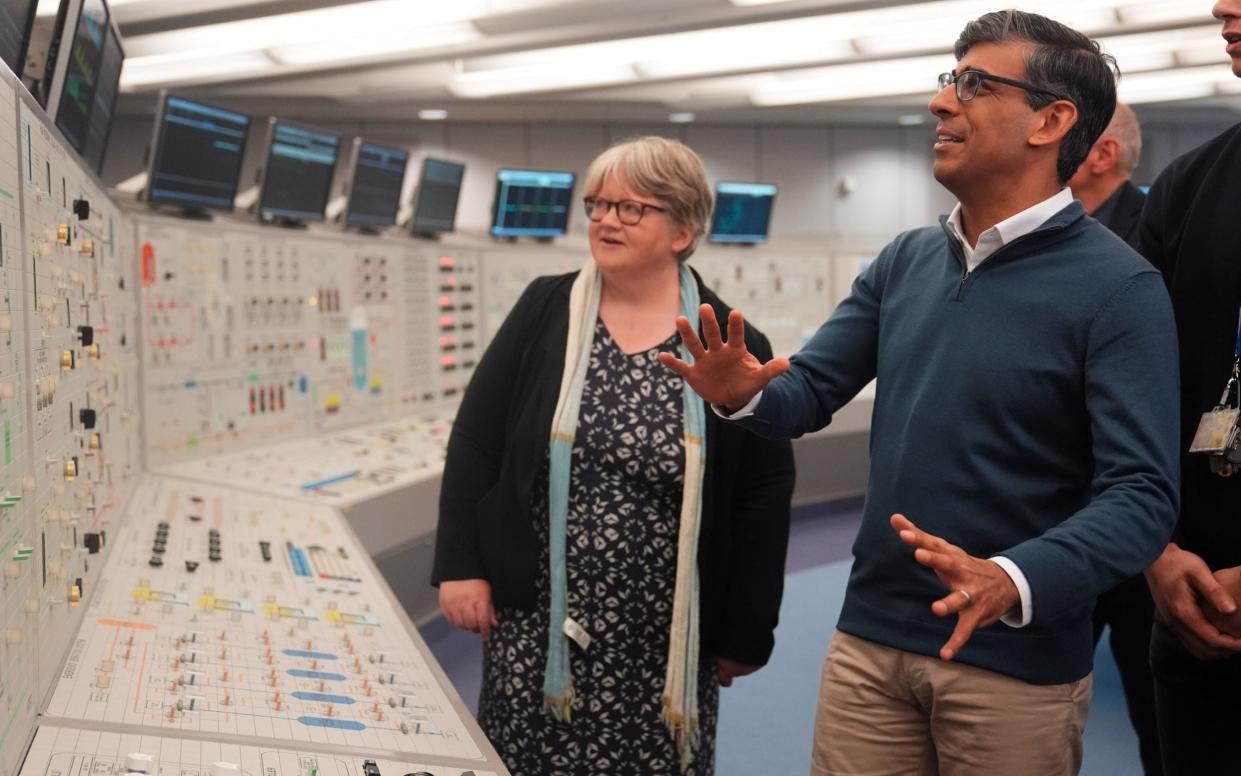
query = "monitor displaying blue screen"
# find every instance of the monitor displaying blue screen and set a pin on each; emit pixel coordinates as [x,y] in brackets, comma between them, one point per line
[376,191]
[532,203]
[742,212]
[94,66]
[104,101]
[197,157]
[298,178]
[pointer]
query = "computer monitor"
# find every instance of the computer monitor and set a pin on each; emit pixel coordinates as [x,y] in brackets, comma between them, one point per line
[196,154]
[435,202]
[532,203]
[375,189]
[99,129]
[742,212]
[297,177]
[16,21]
[87,71]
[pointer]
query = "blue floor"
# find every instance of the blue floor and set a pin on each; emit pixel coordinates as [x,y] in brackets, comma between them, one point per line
[766,719]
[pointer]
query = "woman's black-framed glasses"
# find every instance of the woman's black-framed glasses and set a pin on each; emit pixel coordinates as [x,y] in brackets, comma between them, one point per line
[628,211]
[968,82]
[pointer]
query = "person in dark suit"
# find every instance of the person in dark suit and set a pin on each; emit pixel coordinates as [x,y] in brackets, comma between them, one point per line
[1103,186]
[1189,231]
[1102,181]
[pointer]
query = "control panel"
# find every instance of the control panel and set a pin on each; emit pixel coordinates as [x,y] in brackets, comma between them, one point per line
[339,468]
[20,545]
[59,751]
[443,320]
[786,294]
[234,614]
[507,273]
[69,429]
[254,336]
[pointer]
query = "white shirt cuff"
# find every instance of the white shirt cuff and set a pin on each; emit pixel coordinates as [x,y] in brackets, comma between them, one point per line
[744,412]
[1020,616]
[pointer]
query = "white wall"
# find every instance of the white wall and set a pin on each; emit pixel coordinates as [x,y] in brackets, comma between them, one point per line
[887,167]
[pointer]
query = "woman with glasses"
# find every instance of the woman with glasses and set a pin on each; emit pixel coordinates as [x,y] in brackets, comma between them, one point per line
[619,549]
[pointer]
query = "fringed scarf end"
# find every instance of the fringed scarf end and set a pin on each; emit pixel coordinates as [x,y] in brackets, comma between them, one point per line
[684,735]
[561,708]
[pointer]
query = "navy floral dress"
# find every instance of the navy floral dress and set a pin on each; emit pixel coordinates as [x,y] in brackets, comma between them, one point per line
[624,514]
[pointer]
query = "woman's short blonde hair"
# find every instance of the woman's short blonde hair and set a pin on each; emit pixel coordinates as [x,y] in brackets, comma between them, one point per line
[665,169]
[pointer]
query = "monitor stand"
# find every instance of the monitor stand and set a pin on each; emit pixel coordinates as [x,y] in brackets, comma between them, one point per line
[282,221]
[196,214]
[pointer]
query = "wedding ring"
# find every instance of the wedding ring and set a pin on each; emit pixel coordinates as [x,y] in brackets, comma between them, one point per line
[969,599]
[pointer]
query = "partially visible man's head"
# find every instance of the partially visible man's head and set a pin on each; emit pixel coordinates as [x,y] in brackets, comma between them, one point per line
[1059,61]
[1115,155]
[1229,12]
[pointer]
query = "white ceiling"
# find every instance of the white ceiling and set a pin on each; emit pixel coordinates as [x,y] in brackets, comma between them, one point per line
[624,60]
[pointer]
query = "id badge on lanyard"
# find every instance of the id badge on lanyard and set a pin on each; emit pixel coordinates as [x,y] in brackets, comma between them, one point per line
[1219,430]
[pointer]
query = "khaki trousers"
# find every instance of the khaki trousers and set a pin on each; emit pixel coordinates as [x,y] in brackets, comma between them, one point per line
[885,712]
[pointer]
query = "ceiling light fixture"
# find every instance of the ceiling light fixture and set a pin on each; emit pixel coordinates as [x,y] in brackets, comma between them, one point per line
[433,114]
[196,67]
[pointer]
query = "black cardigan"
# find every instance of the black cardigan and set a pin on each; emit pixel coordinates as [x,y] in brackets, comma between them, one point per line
[499,443]
[1125,213]
[1189,231]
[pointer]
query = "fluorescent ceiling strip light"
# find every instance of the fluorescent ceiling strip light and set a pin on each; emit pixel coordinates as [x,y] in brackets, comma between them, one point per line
[1168,94]
[856,81]
[538,78]
[376,47]
[1164,12]
[356,21]
[1176,85]
[943,33]
[788,43]
[199,66]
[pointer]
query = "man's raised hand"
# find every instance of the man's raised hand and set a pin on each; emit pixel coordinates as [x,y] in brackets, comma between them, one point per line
[723,373]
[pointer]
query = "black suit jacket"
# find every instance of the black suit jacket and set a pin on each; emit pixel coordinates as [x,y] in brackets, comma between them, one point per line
[1190,231]
[499,443]
[1124,215]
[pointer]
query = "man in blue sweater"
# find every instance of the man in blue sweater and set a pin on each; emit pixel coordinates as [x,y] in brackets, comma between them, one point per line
[1024,438]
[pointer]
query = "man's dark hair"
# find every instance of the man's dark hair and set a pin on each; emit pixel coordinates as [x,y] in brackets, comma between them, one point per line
[1064,62]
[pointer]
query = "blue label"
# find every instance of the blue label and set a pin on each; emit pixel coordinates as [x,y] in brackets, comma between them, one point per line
[327,677]
[339,724]
[359,359]
[322,697]
[309,654]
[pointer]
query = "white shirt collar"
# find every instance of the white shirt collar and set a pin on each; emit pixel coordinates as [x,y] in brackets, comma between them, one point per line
[1007,230]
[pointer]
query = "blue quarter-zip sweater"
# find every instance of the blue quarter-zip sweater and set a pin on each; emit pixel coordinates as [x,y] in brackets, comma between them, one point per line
[1027,409]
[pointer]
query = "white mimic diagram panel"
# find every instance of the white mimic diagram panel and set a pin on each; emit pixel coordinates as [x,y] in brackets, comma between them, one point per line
[59,751]
[255,335]
[20,558]
[340,467]
[69,432]
[232,614]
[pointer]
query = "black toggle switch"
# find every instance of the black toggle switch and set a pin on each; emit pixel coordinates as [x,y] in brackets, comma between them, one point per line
[87,335]
[81,208]
[87,418]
